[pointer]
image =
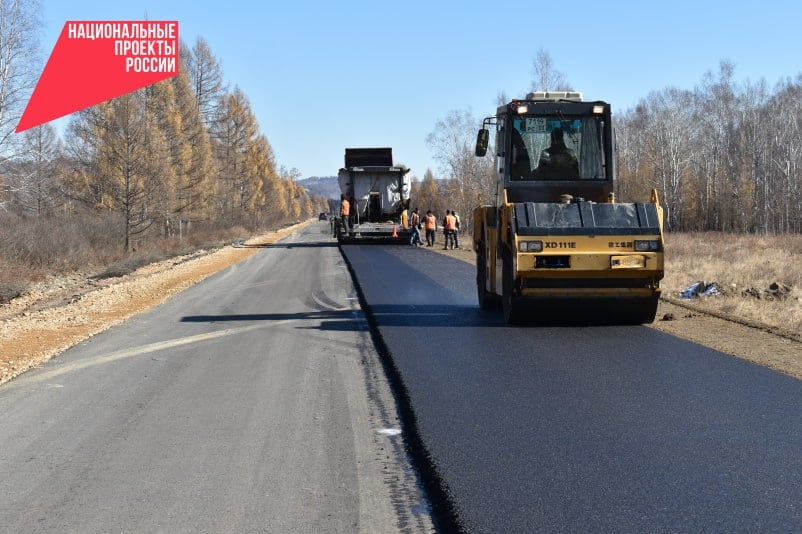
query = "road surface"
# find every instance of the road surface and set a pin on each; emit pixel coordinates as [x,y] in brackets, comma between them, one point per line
[255,401]
[252,402]
[579,429]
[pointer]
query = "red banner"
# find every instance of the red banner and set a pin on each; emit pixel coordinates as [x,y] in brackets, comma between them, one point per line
[95,61]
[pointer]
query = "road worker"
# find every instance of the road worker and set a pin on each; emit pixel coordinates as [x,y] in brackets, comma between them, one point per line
[430,224]
[414,225]
[456,230]
[345,210]
[449,229]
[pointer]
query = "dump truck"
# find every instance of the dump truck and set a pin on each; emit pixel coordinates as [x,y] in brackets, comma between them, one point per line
[378,193]
[556,244]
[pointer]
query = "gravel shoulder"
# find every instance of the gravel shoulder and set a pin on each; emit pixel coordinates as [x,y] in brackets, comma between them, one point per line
[41,324]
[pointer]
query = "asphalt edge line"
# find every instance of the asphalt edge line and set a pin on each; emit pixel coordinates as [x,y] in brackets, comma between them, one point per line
[444,516]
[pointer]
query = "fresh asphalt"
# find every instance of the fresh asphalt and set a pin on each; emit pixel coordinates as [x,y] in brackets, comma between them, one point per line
[577,428]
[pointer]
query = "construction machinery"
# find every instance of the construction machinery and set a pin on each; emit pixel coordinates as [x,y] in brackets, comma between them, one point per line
[557,245]
[378,194]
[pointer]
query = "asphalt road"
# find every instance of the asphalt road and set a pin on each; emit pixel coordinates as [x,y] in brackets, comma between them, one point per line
[255,401]
[578,429]
[252,402]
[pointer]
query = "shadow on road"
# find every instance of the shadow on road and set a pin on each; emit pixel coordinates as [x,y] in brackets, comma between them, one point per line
[316,244]
[339,320]
[395,315]
[434,316]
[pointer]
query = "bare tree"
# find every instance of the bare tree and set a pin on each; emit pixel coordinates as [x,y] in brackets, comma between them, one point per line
[468,180]
[786,157]
[755,127]
[546,77]
[206,77]
[668,146]
[726,157]
[19,63]
[33,178]
[718,115]
[631,153]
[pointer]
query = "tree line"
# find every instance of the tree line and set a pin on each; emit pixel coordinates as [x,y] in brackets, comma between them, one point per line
[181,156]
[723,156]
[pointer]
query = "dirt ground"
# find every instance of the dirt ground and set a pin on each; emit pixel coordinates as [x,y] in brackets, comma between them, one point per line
[60,313]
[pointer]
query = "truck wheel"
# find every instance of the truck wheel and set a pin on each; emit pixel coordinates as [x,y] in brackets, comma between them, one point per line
[486,298]
[510,304]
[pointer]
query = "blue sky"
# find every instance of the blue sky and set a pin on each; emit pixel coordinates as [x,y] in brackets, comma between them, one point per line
[325,75]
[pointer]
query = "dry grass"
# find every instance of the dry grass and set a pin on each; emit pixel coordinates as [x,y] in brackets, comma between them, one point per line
[33,249]
[736,263]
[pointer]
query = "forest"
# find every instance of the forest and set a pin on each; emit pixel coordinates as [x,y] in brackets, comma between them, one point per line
[171,159]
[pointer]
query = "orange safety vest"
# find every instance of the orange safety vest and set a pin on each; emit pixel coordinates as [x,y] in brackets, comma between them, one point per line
[413,220]
[345,208]
[431,222]
[451,222]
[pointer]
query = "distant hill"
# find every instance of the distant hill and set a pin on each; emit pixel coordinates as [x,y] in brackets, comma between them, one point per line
[325,186]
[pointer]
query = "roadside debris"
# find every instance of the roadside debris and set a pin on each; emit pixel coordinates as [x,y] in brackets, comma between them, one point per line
[700,289]
[776,291]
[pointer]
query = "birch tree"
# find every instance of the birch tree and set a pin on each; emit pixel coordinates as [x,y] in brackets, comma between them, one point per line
[19,63]
[546,77]
[786,157]
[469,180]
[669,146]
[755,126]
[33,178]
